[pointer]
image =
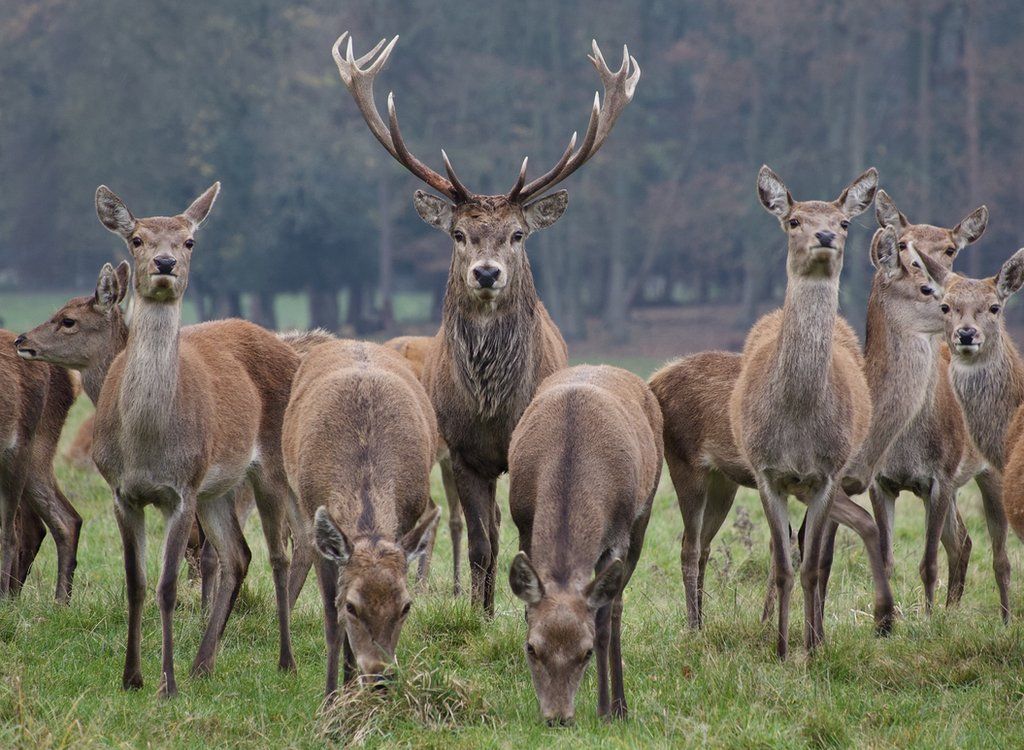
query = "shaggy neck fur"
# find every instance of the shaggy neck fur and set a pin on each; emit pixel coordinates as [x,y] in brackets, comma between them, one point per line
[94,375]
[990,392]
[803,360]
[149,385]
[491,343]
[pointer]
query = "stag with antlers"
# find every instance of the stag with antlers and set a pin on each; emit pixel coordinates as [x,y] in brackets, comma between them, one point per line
[496,342]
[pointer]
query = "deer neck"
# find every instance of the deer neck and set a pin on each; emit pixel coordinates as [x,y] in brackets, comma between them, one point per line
[94,375]
[149,384]
[492,345]
[990,392]
[804,356]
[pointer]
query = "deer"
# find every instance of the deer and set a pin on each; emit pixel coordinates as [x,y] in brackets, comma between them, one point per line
[183,419]
[34,402]
[359,441]
[987,372]
[918,440]
[584,465]
[416,349]
[801,407]
[496,342]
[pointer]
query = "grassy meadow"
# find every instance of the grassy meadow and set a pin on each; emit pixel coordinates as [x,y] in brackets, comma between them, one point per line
[956,679]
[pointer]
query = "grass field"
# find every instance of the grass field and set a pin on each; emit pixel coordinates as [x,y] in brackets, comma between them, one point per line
[956,679]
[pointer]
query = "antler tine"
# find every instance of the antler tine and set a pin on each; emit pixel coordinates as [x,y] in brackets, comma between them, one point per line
[414,165]
[619,88]
[462,191]
[513,194]
[358,75]
[548,176]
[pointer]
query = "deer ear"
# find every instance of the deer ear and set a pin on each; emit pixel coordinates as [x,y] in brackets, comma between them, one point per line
[971,228]
[859,193]
[106,295]
[196,213]
[886,212]
[523,579]
[885,253]
[123,272]
[113,213]
[330,540]
[437,212]
[772,192]
[543,212]
[1011,275]
[606,585]
[417,541]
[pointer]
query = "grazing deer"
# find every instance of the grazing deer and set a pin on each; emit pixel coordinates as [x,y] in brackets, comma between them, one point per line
[34,402]
[584,466]
[918,440]
[416,350]
[359,440]
[182,421]
[497,341]
[801,407]
[987,372]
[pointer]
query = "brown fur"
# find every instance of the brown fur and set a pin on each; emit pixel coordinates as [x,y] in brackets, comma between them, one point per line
[34,402]
[584,465]
[182,420]
[801,407]
[359,440]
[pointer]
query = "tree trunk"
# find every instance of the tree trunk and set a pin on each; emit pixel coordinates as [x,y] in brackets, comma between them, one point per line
[386,253]
[261,310]
[323,310]
[924,109]
[972,126]
[228,304]
[616,311]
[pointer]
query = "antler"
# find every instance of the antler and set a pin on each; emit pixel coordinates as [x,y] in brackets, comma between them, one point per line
[359,81]
[618,92]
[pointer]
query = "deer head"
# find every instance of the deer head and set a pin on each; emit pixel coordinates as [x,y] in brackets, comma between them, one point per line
[908,291]
[488,231]
[373,596]
[973,308]
[816,230]
[84,327]
[938,243]
[161,246]
[561,632]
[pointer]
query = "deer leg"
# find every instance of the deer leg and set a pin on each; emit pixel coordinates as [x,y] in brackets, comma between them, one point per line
[327,577]
[768,608]
[131,522]
[477,503]
[936,508]
[828,549]
[180,513]
[30,534]
[883,505]
[193,555]
[273,498]
[817,520]
[619,708]
[304,554]
[208,571]
[691,493]
[602,627]
[455,525]
[423,569]
[990,483]
[13,477]
[495,535]
[721,493]
[46,500]
[848,513]
[233,555]
[957,543]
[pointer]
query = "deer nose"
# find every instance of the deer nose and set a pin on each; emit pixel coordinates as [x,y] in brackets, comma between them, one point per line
[164,263]
[966,335]
[927,290]
[486,276]
[19,341]
[826,238]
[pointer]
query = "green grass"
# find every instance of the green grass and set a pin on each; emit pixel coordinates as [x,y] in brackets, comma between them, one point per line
[956,679]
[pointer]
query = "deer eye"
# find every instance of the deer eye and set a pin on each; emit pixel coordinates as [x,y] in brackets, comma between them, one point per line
[844,224]
[190,243]
[351,609]
[902,246]
[517,236]
[794,223]
[406,608]
[994,309]
[530,650]
[458,236]
[67,323]
[926,290]
[951,251]
[136,242]
[586,656]
[944,307]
